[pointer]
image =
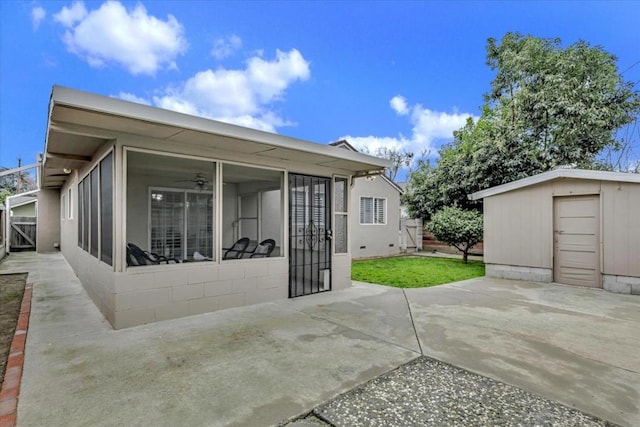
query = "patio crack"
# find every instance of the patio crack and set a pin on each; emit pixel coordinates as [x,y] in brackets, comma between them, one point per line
[413,323]
[376,338]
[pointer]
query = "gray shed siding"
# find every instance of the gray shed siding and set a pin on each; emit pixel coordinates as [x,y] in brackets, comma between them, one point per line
[519,231]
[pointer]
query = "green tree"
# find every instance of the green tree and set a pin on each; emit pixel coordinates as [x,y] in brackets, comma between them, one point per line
[457,227]
[4,193]
[548,106]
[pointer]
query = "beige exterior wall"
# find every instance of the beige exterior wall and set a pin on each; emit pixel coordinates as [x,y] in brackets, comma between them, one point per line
[518,225]
[48,234]
[138,295]
[27,210]
[370,240]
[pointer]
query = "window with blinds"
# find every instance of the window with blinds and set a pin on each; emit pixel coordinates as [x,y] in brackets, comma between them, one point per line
[373,210]
[181,223]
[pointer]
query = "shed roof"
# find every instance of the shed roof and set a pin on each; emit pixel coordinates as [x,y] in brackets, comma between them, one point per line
[79,122]
[556,174]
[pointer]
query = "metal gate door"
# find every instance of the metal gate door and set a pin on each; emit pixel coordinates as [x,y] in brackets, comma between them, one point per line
[309,235]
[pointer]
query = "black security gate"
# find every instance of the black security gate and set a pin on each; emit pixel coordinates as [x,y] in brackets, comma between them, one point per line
[309,235]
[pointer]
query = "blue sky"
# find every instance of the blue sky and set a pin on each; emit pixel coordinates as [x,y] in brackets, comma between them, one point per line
[394,74]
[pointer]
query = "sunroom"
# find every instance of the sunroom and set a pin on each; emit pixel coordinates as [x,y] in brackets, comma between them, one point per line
[172,215]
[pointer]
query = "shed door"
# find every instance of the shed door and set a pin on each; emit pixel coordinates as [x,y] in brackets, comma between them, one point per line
[576,241]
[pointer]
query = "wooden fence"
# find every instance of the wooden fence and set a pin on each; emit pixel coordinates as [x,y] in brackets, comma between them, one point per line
[23,233]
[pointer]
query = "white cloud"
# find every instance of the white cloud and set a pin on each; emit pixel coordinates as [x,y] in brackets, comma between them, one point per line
[239,96]
[127,96]
[399,105]
[139,42]
[428,126]
[37,15]
[223,48]
[68,16]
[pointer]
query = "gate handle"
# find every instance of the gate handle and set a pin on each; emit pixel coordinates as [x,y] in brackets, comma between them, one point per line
[329,235]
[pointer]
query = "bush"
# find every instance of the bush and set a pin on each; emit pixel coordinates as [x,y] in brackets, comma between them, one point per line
[457,227]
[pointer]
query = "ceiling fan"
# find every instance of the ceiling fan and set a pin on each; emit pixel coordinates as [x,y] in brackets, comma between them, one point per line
[200,181]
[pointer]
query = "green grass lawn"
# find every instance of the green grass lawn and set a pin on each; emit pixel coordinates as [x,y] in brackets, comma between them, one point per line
[415,272]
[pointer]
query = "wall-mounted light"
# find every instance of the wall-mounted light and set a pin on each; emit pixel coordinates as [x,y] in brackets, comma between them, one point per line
[370,177]
[66,170]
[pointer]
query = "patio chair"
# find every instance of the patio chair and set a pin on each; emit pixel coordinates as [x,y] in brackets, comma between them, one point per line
[237,250]
[137,257]
[264,249]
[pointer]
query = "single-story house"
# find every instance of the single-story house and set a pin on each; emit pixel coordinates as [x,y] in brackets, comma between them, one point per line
[164,215]
[375,225]
[569,226]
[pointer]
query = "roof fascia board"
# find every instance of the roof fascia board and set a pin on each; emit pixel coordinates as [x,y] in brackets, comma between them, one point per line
[26,193]
[393,184]
[88,101]
[556,174]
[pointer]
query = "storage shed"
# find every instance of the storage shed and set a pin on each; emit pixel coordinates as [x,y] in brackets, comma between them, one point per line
[569,226]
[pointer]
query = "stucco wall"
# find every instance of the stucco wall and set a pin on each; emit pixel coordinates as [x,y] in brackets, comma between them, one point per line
[518,225]
[48,231]
[369,240]
[27,210]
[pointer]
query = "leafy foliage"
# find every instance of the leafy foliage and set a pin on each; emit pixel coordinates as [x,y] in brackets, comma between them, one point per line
[548,106]
[4,193]
[457,227]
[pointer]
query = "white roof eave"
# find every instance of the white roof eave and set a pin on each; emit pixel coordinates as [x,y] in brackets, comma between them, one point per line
[87,101]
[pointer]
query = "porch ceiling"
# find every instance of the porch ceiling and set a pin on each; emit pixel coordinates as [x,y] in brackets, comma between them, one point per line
[80,122]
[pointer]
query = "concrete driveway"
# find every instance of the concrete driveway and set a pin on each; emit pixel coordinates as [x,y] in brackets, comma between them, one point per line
[263,364]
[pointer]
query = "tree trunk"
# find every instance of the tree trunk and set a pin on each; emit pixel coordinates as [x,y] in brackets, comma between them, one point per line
[465,255]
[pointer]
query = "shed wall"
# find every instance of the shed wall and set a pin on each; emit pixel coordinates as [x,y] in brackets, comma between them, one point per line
[519,225]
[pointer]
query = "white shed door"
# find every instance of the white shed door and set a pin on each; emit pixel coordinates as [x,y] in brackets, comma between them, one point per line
[576,241]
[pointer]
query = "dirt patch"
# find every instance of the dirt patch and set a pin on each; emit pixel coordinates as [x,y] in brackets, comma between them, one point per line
[11,291]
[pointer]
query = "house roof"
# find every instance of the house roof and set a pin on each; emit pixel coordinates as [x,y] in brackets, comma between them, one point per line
[79,122]
[556,174]
[22,198]
[346,146]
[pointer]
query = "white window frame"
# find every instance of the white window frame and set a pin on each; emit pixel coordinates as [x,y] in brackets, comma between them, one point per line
[63,206]
[345,213]
[185,226]
[69,205]
[375,202]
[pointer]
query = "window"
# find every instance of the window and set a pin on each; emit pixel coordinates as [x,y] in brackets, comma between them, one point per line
[340,225]
[69,205]
[373,210]
[252,207]
[106,209]
[85,207]
[95,210]
[171,206]
[181,223]
[80,213]
[63,207]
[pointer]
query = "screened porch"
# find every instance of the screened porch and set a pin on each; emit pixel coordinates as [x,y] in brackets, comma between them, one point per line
[181,209]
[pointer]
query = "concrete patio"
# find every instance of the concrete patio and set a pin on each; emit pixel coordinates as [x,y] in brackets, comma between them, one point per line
[264,364]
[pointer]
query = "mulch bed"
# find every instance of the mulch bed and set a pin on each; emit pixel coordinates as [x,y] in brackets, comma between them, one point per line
[11,291]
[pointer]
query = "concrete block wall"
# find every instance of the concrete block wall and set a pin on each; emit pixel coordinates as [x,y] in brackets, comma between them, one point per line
[621,284]
[516,272]
[150,294]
